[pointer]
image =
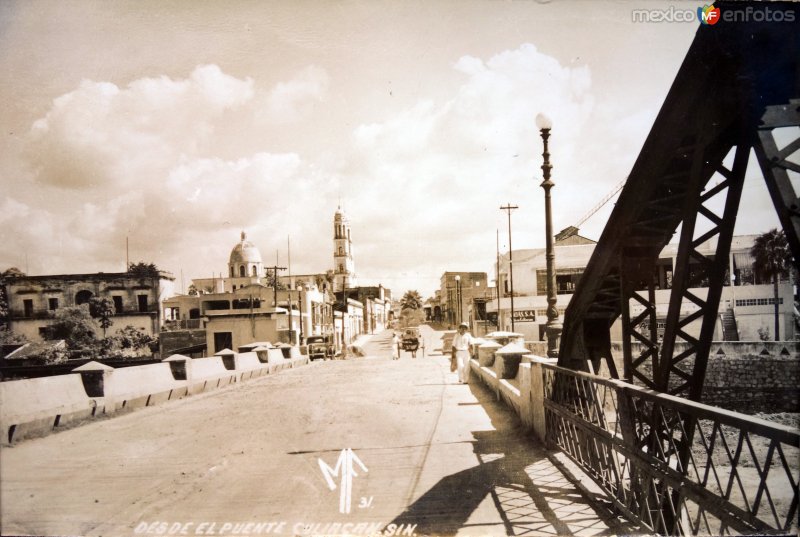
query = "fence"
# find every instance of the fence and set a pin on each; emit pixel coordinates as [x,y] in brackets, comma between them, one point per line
[183,324]
[672,465]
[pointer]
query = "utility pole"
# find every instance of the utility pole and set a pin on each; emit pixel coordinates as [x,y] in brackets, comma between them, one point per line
[275,269]
[508,208]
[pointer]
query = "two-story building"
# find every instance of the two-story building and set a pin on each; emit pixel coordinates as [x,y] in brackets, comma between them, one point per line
[746,307]
[136,296]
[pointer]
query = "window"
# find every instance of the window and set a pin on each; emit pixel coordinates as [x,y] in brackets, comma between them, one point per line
[52,304]
[341,251]
[223,340]
[757,302]
[27,304]
[253,271]
[82,297]
[117,304]
[241,270]
[142,303]
[231,271]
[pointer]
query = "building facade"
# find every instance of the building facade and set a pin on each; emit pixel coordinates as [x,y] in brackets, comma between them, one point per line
[243,306]
[457,295]
[745,312]
[137,299]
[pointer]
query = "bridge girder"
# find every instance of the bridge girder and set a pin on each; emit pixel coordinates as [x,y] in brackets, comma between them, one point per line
[737,84]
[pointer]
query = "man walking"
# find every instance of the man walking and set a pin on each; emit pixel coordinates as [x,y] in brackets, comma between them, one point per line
[462,350]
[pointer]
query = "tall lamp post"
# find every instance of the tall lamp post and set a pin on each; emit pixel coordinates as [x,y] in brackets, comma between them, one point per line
[553,327]
[300,302]
[344,314]
[508,207]
[458,298]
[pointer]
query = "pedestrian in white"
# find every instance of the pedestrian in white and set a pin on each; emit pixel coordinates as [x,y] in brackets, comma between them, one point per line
[462,350]
[395,347]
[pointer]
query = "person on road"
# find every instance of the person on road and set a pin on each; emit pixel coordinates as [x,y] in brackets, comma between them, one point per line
[462,350]
[395,347]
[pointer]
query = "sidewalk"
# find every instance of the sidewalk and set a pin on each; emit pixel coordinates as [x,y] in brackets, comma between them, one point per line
[484,475]
[356,348]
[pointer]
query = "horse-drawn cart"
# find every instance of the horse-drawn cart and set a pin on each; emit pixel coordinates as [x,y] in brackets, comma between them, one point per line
[411,341]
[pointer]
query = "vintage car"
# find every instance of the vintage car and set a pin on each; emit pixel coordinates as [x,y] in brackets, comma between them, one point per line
[319,347]
[410,341]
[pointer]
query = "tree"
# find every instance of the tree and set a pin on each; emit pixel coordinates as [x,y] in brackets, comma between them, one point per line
[411,301]
[6,275]
[193,290]
[271,281]
[102,309]
[771,261]
[7,337]
[142,269]
[133,338]
[324,282]
[75,325]
[412,317]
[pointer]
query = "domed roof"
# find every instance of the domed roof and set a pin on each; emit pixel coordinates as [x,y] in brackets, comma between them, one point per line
[245,252]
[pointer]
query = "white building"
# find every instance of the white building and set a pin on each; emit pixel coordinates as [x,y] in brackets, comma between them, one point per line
[746,310]
[344,271]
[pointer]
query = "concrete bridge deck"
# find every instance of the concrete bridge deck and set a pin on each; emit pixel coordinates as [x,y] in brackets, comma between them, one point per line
[441,459]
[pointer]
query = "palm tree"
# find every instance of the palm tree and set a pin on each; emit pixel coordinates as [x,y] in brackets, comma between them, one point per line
[411,301]
[771,261]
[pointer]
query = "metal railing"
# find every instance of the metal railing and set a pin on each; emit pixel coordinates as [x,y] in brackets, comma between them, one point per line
[674,466]
[183,324]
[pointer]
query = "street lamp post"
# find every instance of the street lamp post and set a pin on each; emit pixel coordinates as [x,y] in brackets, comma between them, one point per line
[508,207]
[300,302]
[553,327]
[344,314]
[458,297]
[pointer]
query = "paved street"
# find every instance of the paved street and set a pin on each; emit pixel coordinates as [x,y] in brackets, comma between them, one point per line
[428,456]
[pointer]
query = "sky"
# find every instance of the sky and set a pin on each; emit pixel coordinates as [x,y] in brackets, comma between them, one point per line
[174,126]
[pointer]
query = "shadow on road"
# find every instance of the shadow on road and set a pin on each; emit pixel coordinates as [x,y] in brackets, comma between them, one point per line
[531,496]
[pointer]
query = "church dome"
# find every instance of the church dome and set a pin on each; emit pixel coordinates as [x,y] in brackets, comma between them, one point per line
[245,252]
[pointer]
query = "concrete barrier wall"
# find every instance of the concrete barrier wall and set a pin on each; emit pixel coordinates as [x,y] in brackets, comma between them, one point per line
[141,380]
[524,394]
[38,406]
[205,368]
[32,407]
[248,366]
[246,361]
[139,386]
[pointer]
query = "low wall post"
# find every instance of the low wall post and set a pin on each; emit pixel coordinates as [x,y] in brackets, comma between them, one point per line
[537,396]
[95,377]
[525,404]
[180,366]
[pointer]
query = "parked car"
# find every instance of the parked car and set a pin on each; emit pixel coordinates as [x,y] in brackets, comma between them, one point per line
[319,347]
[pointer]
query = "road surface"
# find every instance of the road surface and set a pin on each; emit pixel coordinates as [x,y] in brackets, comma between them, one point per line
[359,446]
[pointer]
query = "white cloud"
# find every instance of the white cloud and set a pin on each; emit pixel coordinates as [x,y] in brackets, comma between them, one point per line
[437,173]
[101,136]
[293,100]
[152,162]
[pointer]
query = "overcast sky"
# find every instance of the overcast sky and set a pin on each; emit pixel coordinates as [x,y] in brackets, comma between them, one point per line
[180,124]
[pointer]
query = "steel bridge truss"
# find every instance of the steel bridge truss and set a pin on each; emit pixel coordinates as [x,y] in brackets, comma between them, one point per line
[645,438]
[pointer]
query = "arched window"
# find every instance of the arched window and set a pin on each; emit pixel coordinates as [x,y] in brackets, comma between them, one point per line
[253,271]
[241,270]
[341,268]
[341,250]
[231,271]
[83,297]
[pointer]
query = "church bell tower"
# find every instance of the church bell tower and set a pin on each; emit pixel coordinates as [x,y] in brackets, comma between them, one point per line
[343,266]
